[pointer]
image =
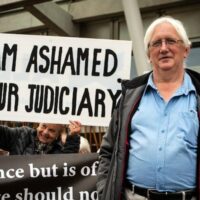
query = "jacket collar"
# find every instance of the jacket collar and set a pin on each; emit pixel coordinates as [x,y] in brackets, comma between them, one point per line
[195,76]
[142,80]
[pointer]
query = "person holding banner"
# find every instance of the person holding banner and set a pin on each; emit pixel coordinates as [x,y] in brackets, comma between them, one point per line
[151,149]
[46,139]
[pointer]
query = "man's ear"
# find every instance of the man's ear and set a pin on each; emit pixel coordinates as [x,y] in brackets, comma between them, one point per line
[148,56]
[149,59]
[187,51]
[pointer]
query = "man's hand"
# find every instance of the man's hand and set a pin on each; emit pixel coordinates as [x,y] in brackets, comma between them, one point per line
[74,127]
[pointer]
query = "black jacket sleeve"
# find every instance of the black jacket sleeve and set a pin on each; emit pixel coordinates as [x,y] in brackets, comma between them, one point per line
[72,144]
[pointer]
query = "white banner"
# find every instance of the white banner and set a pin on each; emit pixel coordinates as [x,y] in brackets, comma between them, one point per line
[57,79]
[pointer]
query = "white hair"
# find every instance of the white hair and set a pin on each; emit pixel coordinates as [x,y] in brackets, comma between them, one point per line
[84,145]
[174,22]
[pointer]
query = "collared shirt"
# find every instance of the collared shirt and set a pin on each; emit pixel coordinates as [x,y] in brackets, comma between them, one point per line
[163,139]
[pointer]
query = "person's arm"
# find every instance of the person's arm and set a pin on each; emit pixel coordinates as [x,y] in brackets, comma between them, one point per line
[74,127]
[71,139]
[72,144]
[7,137]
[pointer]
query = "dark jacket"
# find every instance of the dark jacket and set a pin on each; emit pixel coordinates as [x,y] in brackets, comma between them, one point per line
[23,140]
[115,144]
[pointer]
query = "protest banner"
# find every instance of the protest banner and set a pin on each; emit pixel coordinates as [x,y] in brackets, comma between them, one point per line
[49,177]
[57,79]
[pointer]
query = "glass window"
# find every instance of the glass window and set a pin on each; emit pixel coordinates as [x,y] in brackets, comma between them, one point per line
[97,29]
[193,60]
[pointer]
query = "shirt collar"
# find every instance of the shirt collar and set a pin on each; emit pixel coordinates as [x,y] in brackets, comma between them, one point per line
[185,88]
[150,84]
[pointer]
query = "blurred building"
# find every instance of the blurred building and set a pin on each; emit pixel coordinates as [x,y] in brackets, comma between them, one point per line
[99,19]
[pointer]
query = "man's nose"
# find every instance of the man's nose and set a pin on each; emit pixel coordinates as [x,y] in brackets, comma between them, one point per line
[45,131]
[164,46]
[163,43]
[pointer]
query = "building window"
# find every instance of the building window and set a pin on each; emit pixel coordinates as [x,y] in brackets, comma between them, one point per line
[193,61]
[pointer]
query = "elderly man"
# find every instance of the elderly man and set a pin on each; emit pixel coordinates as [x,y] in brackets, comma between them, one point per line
[151,149]
[45,139]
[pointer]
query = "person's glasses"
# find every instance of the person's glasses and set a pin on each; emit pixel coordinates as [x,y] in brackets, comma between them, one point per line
[169,42]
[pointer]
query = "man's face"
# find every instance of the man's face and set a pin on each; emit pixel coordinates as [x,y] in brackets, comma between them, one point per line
[47,133]
[166,50]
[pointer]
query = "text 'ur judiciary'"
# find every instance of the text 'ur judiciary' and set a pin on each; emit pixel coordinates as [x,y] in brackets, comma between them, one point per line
[57,79]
